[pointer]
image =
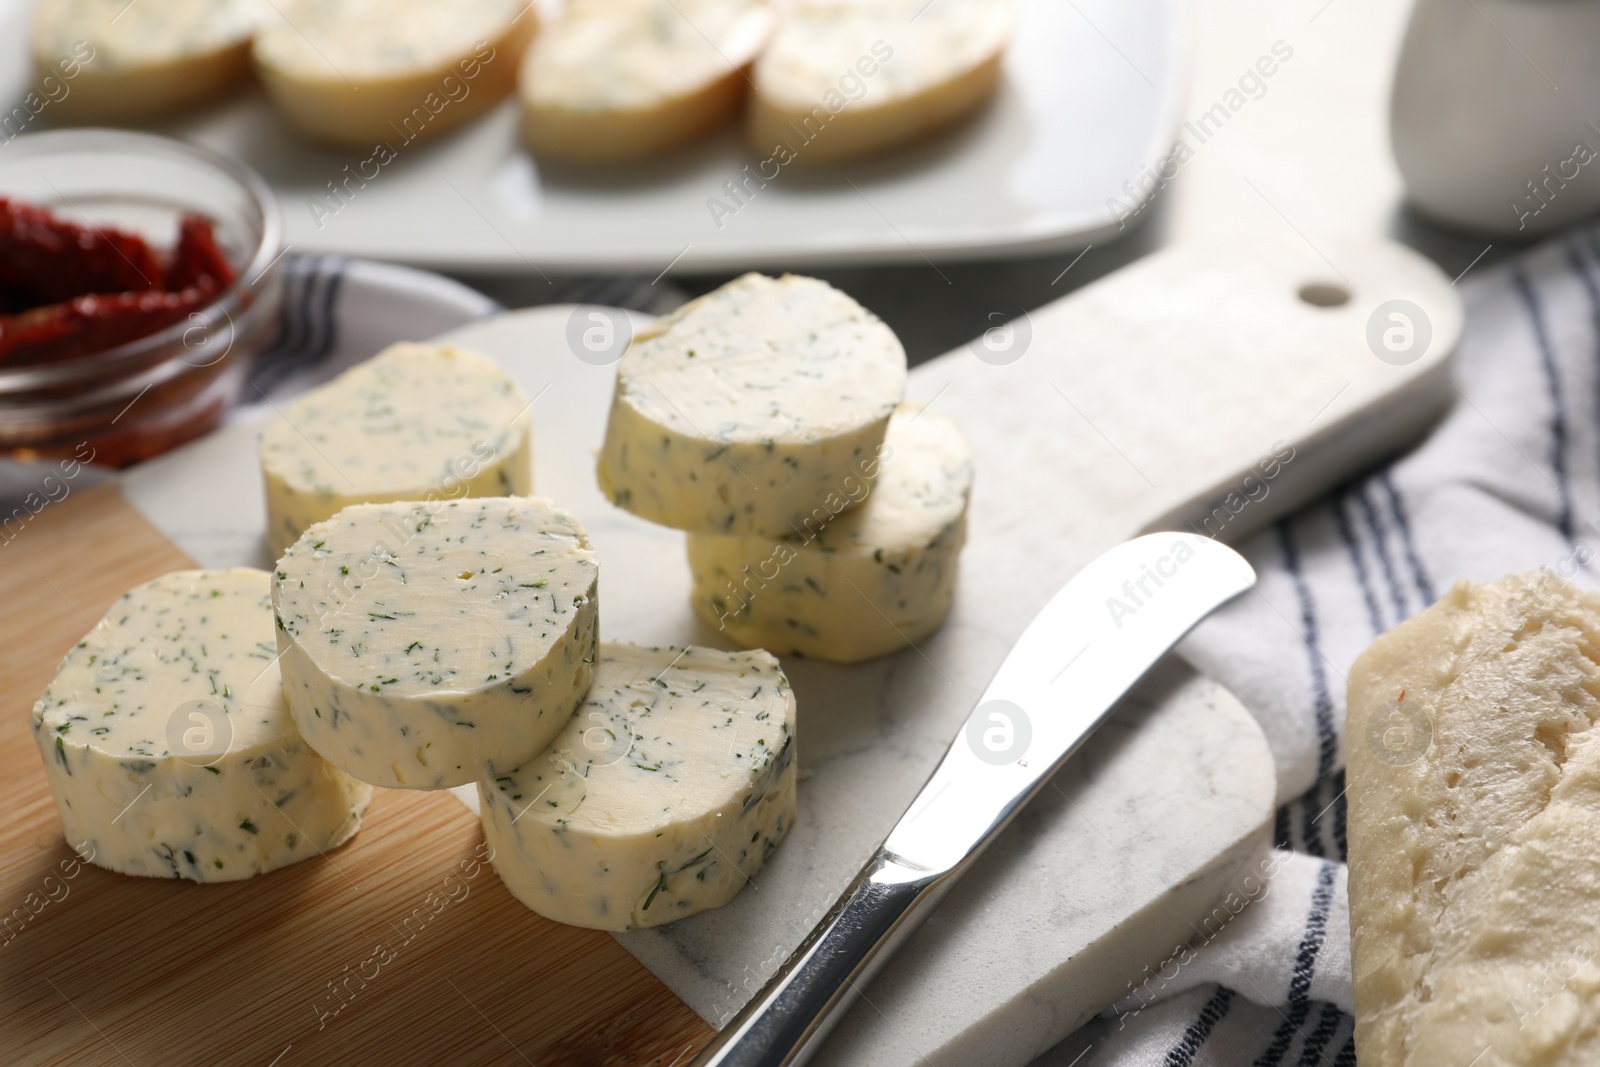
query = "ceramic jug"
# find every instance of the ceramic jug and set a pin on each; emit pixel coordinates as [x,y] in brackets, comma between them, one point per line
[1495,113]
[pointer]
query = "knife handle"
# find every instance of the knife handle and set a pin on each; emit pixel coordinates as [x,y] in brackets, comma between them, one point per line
[792,1015]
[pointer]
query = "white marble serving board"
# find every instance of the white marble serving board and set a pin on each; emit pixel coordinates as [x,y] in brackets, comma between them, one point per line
[1139,402]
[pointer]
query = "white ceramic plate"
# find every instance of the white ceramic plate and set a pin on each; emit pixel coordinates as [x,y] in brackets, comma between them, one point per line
[1091,96]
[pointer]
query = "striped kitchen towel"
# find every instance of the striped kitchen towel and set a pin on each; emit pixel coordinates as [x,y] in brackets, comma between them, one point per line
[1508,481]
[337,312]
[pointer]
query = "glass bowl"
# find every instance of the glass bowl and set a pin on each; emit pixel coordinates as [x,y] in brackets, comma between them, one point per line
[143,397]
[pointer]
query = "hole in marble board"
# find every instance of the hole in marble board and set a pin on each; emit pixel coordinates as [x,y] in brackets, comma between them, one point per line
[1324,294]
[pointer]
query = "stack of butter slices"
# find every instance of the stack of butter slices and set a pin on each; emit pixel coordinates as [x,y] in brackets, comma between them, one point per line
[431,644]
[429,625]
[824,514]
[424,627]
[437,630]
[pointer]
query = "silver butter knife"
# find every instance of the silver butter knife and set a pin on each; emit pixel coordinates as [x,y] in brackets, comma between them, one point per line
[1099,635]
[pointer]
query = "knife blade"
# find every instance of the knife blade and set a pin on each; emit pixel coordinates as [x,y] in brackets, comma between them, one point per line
[1097,637]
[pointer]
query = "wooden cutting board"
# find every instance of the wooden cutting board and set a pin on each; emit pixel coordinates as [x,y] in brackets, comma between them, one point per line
[99,968]
[1142,401]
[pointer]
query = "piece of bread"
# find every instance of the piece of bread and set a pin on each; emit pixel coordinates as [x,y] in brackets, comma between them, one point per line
[116,61]
[624,79]
[1474,794]
[365,72]
[849,78]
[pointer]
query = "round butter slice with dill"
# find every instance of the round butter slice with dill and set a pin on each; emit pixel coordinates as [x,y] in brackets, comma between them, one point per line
[844,79]
[388,72]
[168,746]
[623,79]
[430,644]
[415,422]
[874,580]
[666,792]
[113,60]
[743,411]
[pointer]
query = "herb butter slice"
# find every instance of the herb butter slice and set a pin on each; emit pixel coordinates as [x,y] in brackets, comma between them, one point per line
[622,79]
[387,72]
[742,411]
[867,583]
[427,645]
[661,797]
[415,422]
[169,748]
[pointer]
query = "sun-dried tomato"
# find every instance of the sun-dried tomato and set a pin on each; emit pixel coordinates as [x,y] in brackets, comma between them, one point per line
[69,290]
[52,260]
[196,259]
[94,323]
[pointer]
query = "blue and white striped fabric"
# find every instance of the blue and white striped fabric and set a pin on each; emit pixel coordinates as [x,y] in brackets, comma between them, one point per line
[1509,481]
[337,312]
